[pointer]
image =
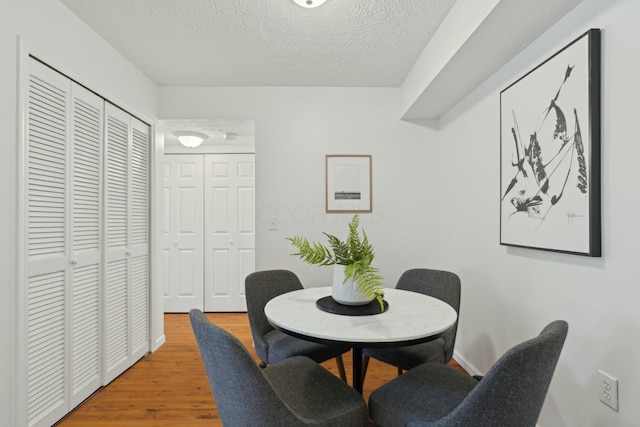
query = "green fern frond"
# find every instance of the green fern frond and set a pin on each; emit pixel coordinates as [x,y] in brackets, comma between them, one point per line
[368,280]
[315,254]
[340,249]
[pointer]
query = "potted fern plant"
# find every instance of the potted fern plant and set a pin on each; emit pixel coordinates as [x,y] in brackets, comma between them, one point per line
[355,280]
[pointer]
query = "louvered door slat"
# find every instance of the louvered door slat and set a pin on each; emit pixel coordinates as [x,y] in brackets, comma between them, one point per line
[116,304]
[117,182]
[46,373]
[85,362]
[87,146]
[45,153]
[140,187]
[46,169]
[139,307]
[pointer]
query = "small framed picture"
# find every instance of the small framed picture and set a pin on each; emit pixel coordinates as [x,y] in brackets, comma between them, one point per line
[348,183]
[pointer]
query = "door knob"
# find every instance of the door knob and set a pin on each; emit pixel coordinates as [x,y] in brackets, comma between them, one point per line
[74,261]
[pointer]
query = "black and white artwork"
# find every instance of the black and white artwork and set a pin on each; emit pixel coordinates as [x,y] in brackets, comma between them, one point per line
[348,181]
[550,153]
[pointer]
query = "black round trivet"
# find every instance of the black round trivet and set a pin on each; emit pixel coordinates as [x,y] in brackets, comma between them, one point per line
[330,305]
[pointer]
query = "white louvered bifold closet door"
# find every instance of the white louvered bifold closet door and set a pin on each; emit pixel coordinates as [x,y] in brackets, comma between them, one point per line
[63,268]
[84,208]
[126,241]
[86,243]
[140,177]
[48,262]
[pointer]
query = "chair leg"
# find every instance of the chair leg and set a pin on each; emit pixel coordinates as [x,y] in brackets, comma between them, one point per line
[340,363]
[365,365]
[399,371]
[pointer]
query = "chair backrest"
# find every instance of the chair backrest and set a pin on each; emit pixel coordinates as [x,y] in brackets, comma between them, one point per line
[243,395]
[443,285]
[514,389]
[259,288]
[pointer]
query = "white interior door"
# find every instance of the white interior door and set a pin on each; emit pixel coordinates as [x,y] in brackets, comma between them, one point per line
[183,232]
[229,229]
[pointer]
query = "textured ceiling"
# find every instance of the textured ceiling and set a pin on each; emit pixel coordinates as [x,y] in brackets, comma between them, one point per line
[371,43]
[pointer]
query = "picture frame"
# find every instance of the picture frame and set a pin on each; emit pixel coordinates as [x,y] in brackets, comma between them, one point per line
[348,183]
[550,153]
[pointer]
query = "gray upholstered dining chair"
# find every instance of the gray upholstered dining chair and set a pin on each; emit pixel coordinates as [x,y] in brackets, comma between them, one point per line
[294,392]
[443,285]
[273,345]
[511,394]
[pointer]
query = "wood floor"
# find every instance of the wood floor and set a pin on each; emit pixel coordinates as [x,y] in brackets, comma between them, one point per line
[169,388]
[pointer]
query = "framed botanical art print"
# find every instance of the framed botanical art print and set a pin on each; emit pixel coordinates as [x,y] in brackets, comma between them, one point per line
[550,153]
[348,183]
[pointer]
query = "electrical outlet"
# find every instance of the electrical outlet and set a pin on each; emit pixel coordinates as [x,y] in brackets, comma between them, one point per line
[608,390]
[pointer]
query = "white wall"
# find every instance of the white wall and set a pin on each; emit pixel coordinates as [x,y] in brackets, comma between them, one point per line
[295,129]
[51,31]
[509,294]
[435,195]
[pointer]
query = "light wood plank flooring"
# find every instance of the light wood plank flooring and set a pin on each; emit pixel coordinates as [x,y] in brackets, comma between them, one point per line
[169,388]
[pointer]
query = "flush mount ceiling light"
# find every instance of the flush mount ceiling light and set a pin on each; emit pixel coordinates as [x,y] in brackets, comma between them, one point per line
[309,3]
[190,139]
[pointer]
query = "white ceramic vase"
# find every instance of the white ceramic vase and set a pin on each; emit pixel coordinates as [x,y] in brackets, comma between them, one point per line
[347,293]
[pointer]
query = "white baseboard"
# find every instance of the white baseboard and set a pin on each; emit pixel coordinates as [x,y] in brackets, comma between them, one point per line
[158,342]
[466,365]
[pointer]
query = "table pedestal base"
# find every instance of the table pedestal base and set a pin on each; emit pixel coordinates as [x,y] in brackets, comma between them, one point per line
[357,369]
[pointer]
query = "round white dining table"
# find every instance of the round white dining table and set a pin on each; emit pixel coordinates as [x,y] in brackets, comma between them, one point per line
[410,318]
